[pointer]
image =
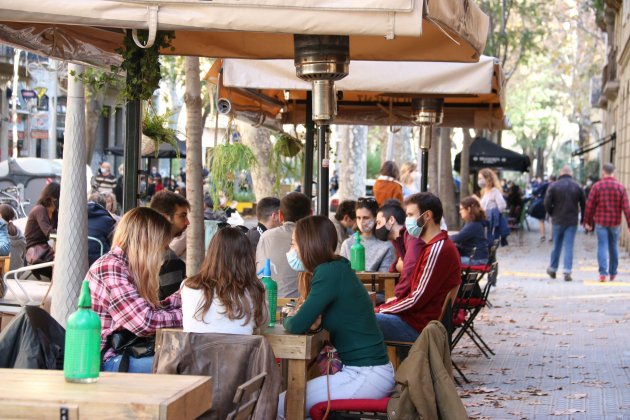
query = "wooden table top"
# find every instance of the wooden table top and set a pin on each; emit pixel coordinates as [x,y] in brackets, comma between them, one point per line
[114,395]
[367,275]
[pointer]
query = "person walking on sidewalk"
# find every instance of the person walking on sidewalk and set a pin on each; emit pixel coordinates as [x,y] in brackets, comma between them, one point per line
[606,201]
[564,202]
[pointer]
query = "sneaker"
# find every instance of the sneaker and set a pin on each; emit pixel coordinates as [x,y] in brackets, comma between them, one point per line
[567,277]
[551,273]
[612,277]
[543,239]
[603,278]
[550,239]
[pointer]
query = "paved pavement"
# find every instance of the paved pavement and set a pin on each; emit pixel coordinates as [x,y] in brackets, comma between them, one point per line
[562,348]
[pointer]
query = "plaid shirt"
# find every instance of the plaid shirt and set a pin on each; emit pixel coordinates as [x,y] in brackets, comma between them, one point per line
[118,304]
[606,201]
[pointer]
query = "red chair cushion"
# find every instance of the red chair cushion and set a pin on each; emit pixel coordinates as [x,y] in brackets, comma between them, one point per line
[459,317]
[480,268]
[376,406]
[470,302]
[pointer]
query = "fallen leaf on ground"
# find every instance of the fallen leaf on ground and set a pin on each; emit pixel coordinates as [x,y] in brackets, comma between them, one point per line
[575,396]
[568,411]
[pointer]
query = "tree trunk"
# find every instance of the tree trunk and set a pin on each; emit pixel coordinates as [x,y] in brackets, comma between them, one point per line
[464,170]
[93,109]
[447,185]
[403,150]
[258,139]
[353,143]
[195,249]
[434,185]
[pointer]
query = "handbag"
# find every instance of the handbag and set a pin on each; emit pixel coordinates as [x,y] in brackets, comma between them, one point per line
[128,344]
[328,363]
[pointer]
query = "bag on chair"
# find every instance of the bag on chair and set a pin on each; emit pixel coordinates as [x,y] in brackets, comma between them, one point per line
[40,253]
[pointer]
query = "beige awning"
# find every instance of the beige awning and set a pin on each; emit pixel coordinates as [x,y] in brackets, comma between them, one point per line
[392,30]
[374,93]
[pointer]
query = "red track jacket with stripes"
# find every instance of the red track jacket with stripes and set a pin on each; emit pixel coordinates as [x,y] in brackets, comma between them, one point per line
[437,272]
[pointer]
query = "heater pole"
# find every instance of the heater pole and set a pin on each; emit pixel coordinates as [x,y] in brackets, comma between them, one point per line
[424,166]
[322,173]
[309,146]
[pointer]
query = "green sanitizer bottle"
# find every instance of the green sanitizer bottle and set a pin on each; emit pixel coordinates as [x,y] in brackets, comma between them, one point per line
[357,254]
[82,354]
[271,287]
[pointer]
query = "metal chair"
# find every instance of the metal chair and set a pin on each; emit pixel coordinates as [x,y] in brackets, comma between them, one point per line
[25,291]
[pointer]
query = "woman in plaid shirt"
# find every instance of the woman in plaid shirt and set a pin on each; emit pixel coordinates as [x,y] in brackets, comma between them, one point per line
[124,285]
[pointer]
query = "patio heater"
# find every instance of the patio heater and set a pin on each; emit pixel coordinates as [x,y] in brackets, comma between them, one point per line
[321,60]
[426,112]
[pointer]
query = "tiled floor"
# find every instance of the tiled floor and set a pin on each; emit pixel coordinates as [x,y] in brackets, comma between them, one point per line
[562,348]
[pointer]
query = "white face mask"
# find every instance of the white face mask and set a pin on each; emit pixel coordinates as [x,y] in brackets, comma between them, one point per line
[481,182]
[367,226]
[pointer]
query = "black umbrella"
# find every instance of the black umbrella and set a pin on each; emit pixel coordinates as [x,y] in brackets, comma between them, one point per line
[485,154]
[165,151]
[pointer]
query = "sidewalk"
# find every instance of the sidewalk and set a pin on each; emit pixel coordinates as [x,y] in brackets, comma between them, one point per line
[562,348]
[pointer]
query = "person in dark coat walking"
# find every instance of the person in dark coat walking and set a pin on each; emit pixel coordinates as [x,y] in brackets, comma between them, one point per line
[100,226]
[564,202]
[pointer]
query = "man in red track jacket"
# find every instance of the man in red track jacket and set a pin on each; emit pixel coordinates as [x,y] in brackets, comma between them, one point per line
[436,273]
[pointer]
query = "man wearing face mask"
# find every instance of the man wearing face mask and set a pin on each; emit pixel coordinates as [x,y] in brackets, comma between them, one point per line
[436,273]
[391,226]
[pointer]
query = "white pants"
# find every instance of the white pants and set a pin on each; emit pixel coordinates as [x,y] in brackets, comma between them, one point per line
[352,382]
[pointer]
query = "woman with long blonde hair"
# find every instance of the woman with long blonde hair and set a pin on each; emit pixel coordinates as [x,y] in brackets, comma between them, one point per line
[124,285]
[491,195]
[409,178]
[226,296]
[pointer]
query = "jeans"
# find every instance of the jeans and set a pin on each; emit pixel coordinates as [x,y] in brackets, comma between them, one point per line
[395,329]
[563,238]
[351,382]
[141,365]
[472,261]
[607,246]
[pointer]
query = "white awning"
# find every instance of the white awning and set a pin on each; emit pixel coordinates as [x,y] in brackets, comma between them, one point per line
[393,30]
[374,93]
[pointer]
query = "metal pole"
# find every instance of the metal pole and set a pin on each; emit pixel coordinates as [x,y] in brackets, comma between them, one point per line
[322,173]
[52,110]
[424,174]
[307,185]
[132,155]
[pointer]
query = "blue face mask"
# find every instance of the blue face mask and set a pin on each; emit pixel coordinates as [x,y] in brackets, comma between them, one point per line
[294,261]
[411,224]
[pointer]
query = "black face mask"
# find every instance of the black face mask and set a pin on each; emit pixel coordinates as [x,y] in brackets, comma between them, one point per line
[382,233]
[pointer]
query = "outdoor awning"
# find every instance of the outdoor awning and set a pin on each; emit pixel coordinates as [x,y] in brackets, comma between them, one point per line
[89,31]
[374,93]
[485,154]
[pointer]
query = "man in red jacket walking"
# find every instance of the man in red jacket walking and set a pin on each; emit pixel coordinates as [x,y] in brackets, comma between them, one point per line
[606,201]
[436,273]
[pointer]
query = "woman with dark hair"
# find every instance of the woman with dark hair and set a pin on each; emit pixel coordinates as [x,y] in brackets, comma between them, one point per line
[387,186]
[336,300]
[473,234]
[41,222]
[379,255]
[225,297]
[124,286]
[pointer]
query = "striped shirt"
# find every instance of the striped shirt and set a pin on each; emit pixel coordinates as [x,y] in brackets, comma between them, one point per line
[118,304]
[437,272]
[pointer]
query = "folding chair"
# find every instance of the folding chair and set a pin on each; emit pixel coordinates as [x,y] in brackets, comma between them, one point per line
[472,298]
[251,387]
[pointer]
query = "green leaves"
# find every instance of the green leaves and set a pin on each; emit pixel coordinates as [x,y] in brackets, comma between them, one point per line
[226,160]
[157,128]
[143,65]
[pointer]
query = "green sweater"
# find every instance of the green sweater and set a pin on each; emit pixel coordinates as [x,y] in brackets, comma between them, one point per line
[347,314]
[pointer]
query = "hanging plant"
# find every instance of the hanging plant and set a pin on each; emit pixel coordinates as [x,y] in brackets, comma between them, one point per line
[156,130]
[225,161]
[142,65]
[283,161]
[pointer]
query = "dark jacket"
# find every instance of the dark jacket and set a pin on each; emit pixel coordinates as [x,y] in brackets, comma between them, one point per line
[100,226]
[565,201]
[230,359]
[33,340]
[424,380]
[497,227]
[472,235]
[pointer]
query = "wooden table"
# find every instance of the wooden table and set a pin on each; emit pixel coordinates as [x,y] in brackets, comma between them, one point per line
[31,393]
[386,281]
[298,350]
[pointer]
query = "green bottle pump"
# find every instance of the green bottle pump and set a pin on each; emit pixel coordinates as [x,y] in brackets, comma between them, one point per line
[271,287]
[357,254]
[82,354]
